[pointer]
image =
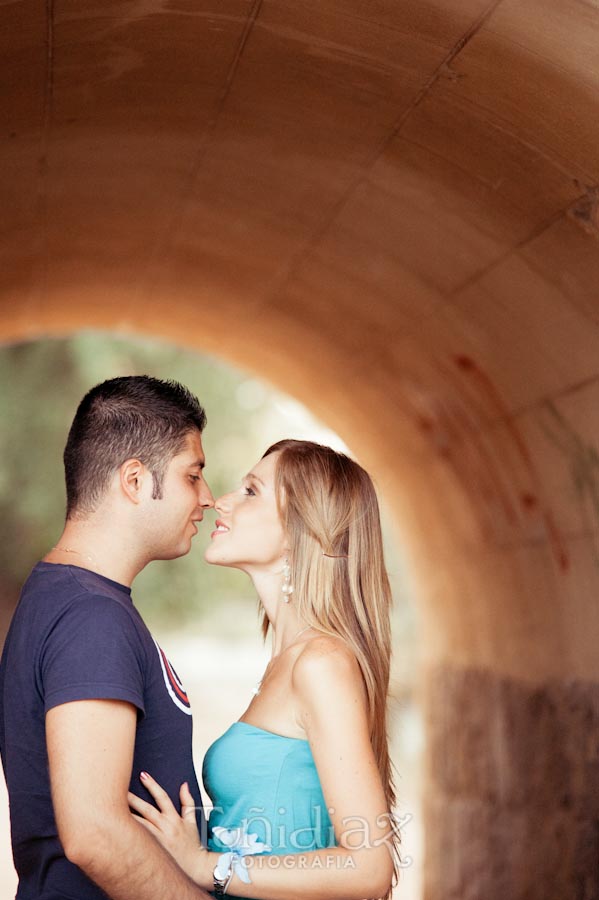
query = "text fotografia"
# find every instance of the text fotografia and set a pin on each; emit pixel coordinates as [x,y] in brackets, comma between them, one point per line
[355,835]
[299,861]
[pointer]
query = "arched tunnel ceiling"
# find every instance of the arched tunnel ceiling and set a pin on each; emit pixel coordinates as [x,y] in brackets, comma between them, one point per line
[389,208]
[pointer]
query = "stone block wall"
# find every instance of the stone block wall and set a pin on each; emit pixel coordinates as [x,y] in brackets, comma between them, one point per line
[512,796]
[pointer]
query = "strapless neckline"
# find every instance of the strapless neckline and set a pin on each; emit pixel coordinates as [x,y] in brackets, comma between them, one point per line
[267,783]
[283,737]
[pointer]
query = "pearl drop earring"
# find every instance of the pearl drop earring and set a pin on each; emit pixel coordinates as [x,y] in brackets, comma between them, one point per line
[287,588]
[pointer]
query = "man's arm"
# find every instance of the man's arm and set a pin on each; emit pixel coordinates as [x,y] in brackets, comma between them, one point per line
[90,752]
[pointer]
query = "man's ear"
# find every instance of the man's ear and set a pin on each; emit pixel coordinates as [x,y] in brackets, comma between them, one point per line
[133,474]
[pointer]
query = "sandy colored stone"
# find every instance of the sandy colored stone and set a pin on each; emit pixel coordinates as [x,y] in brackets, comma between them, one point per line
[390,210]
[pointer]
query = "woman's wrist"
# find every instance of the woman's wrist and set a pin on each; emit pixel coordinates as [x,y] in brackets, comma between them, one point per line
[204,869]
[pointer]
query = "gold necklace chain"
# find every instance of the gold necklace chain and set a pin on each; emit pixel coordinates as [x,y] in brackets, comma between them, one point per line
[78,552]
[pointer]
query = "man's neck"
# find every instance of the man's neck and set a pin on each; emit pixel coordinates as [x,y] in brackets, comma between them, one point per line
[84,543]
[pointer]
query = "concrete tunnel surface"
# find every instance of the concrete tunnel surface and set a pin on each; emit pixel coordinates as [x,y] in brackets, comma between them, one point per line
[389,210]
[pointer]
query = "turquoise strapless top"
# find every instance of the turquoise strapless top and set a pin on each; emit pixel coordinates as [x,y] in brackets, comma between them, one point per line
[268,784]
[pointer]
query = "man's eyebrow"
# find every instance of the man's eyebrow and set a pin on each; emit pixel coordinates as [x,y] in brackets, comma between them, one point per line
[255,477]
[199,464]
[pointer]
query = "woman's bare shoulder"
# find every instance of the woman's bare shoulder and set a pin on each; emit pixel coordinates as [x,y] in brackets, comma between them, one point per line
[325,660]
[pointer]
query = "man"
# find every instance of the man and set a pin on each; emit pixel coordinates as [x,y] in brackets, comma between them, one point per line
[88,700]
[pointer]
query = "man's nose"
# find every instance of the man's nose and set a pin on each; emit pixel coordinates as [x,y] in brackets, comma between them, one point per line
[206,498]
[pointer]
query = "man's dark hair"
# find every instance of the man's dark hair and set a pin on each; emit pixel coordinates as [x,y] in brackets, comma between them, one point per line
[131,417]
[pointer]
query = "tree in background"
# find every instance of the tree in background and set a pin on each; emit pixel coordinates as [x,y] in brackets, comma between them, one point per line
[42,384]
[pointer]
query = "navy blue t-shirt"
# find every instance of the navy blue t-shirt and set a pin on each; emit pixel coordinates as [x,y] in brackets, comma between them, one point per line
[76,635]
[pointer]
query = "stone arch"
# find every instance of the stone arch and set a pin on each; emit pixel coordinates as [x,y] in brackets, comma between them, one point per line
[391,212]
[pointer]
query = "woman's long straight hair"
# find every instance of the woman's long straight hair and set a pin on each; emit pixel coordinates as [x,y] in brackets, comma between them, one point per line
[330,513]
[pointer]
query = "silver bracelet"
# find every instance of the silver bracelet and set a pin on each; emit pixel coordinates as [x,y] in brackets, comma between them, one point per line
[232,861]
[222,882]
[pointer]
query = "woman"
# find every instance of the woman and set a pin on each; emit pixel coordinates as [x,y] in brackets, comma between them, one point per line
[304,777]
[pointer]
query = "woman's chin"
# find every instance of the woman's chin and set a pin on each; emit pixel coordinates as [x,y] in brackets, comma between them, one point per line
[212,557]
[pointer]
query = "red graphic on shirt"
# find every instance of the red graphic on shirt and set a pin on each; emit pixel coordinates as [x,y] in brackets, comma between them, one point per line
[173,684]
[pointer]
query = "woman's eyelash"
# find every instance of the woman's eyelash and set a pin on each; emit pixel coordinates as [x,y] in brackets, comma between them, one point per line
[195,477]
[250,491]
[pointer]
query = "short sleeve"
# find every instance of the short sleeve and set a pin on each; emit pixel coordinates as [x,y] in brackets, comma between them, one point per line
[93,652]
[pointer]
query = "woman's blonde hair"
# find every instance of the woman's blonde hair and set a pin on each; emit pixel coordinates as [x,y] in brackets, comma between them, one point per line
[330,512]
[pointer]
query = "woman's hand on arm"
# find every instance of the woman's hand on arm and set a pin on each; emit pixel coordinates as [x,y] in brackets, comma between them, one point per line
[330,699]
[178,834]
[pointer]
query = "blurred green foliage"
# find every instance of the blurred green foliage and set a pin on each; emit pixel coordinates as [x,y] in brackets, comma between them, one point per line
[41,386]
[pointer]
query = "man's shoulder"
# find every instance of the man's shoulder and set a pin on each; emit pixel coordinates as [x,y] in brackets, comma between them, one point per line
[56,596]
[64,584]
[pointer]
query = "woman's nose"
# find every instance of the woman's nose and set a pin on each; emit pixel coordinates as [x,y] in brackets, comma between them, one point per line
[221,504]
